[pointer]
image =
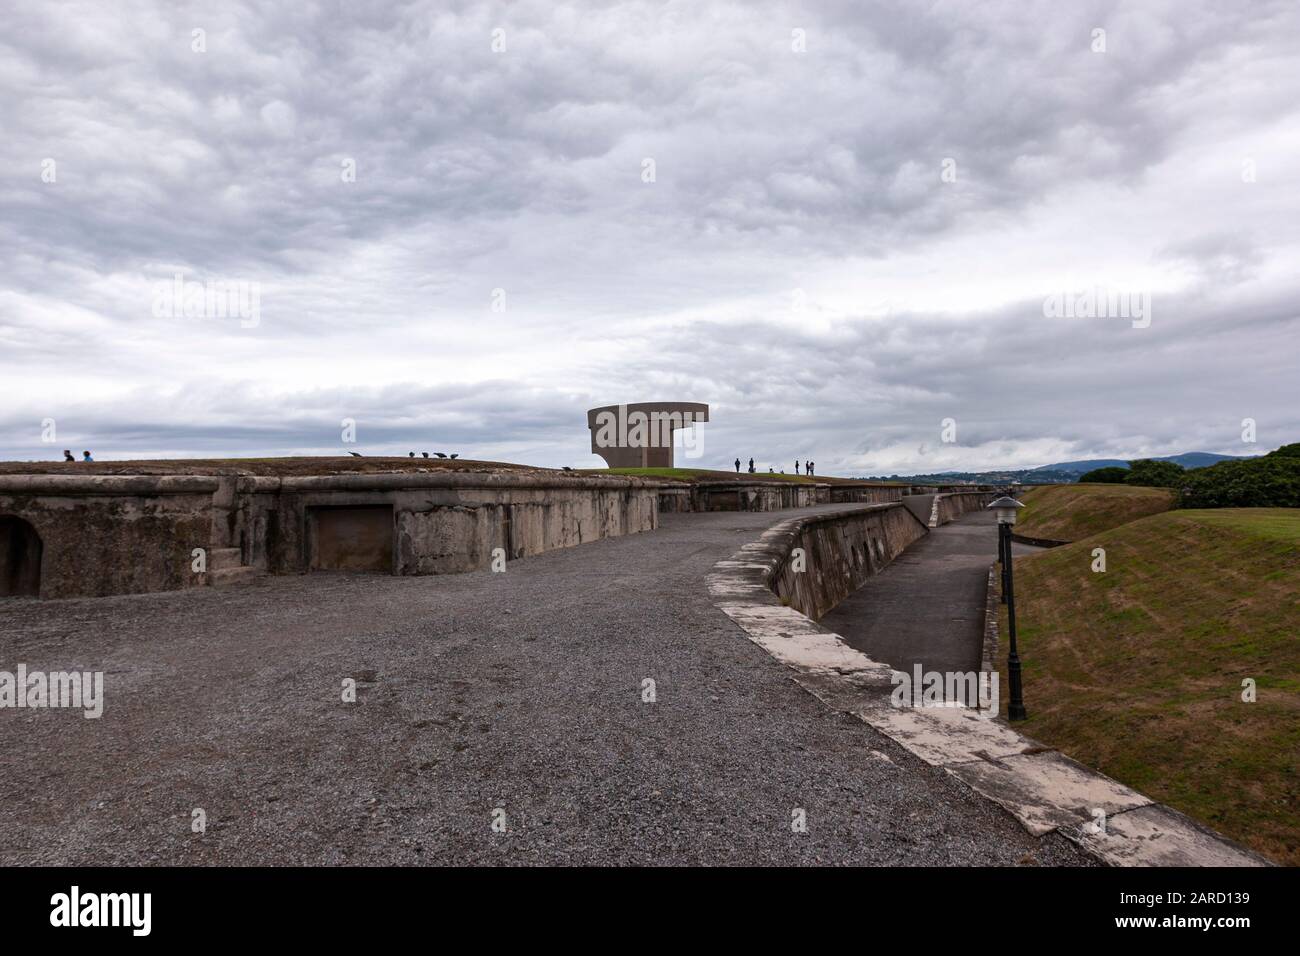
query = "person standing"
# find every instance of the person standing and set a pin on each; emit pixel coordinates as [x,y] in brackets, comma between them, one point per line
[796,466]
[737,466]
[808,467]
[751,466]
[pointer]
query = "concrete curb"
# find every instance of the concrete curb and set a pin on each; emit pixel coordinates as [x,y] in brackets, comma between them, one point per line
[1043,789]
[989,654]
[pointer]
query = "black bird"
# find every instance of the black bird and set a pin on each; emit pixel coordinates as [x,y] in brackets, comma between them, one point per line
[565,468]
[412,454]
[440,454]
[425,454]
[355,454]
[455,456]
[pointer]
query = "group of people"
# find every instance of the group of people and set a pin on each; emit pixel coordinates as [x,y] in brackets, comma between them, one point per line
[67,456]
[808,467]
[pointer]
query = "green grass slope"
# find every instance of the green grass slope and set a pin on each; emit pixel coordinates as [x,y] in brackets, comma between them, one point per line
[1071,512]
[1138,671]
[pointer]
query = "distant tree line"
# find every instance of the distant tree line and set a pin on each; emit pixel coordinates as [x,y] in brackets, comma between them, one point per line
[1269,481]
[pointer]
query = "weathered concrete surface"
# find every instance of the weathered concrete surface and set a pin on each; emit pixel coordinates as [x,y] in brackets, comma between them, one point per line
[952,505]
[445,523]
[105,534]
[765,494]
[927,607]
[938,508]
[351,539]
[112,535]
[840,553]
[521,690]
[841,493]
[1045,791]
[756,495]
[1156,835]
[675,498]
[921,506]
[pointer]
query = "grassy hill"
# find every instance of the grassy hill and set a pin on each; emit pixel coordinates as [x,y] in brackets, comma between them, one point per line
[1138,671]
[1071,512]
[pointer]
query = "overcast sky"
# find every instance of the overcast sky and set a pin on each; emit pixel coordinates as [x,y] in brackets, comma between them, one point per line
[854,217]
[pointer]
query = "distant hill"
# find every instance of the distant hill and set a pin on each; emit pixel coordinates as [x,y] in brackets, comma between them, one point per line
[1191,459]
[1029,476]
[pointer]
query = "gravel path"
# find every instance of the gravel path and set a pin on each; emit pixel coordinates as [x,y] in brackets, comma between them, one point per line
[520,690]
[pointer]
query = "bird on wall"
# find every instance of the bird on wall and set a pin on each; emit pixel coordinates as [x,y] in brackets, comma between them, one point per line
[425,454]
[355,454]
[455,456]
[440,454]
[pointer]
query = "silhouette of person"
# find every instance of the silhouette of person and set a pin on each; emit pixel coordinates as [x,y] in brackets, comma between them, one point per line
[67,455]
[808,466]
[737,466]
[751,466]
[796,466]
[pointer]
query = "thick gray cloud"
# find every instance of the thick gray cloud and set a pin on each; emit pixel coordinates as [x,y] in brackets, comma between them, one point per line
[799,260]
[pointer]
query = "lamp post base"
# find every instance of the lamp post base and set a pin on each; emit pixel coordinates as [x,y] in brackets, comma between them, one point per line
[1016,705]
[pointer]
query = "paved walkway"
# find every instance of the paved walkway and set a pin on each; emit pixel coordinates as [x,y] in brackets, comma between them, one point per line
[522,691]
[927,607]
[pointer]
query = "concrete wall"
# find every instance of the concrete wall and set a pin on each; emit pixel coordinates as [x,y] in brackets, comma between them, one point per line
[841,551]
[865,493]
[675,499]
[953,505]
[122,535]
[443,523]
[937,509]
[756,495]
[743,495]
[112,535]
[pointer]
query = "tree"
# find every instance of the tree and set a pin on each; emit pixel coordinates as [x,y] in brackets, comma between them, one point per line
[1110,475]
[1271,481]
[1155,474]
[1286,451]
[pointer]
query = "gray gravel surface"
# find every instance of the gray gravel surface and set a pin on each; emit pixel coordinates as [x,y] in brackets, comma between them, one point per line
[520,690]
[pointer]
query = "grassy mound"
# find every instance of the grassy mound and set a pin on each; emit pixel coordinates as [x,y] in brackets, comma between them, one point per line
[1138,671]
[1071,512]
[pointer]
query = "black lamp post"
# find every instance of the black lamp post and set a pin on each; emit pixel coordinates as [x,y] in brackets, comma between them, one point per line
[1005,508]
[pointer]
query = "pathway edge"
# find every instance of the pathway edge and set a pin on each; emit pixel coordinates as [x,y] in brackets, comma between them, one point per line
[1042,788]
